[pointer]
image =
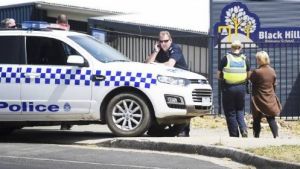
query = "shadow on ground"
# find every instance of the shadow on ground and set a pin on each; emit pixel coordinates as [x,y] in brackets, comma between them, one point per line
[52,137]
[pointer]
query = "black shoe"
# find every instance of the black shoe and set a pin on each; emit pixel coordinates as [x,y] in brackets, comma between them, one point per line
[183,134]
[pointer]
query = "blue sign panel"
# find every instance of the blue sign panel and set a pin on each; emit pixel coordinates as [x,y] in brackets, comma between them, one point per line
[237,22]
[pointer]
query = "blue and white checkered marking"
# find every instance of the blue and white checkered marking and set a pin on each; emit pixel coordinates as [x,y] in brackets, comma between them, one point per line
[10,75]
[80,77]
[57,76]
[118,78]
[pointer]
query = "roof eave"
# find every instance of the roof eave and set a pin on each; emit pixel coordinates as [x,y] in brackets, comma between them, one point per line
[94,19]
[74,9]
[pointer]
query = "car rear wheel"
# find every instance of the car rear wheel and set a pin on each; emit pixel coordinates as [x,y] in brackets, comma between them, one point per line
[128,115]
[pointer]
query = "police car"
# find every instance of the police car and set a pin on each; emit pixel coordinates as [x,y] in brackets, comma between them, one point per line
[51,77]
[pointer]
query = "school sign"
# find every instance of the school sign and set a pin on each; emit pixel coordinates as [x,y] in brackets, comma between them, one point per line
[237,22]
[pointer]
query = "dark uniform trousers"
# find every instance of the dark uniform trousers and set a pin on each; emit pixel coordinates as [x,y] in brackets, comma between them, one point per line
[233,99]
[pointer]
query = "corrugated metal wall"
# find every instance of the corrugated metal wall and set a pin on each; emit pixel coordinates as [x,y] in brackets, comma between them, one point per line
[25,12]
[21,13]
[285,60]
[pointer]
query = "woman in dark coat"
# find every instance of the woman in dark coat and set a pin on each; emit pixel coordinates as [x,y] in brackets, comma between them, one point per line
[264,100]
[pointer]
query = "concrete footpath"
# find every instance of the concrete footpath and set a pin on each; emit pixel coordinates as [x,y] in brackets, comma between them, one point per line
[208,142]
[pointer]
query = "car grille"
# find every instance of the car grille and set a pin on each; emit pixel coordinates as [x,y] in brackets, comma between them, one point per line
[199,93]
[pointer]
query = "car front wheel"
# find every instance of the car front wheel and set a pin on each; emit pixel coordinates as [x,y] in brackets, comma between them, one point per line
[128,115]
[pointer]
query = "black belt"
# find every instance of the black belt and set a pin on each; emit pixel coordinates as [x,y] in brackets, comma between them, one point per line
[226,84]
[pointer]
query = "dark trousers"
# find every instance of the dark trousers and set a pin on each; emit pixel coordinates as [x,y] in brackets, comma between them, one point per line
[186,129]
[233,99]
[272,123]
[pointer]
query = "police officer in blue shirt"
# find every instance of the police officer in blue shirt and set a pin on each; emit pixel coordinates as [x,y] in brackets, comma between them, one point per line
[169,54]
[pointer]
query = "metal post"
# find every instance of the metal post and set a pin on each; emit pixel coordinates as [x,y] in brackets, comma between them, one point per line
[219,83]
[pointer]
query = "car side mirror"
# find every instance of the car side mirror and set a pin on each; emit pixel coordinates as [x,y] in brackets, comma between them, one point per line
[76,60]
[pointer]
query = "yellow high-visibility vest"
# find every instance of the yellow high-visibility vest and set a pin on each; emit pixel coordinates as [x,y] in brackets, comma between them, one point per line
[235,72]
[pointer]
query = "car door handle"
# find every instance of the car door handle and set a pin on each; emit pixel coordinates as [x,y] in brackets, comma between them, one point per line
[98,78]
[32,75]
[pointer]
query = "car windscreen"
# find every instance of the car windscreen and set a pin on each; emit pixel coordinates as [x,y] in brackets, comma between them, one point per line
[99,50]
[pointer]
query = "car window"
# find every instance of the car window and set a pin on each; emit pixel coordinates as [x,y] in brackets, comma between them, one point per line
[48,51]
[11,49]
[99,50]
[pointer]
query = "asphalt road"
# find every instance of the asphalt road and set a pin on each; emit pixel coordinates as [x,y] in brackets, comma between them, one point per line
[48,147]
[49,156]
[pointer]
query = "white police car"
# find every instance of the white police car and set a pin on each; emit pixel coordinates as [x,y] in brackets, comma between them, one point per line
[50,77]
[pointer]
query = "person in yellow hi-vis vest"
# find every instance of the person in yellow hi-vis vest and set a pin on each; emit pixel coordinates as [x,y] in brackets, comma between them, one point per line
[234,71]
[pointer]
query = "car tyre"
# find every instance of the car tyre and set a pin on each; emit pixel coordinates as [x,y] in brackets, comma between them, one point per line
[128,115]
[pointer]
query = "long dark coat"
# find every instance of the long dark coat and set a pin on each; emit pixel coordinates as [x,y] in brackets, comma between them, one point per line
[264,99]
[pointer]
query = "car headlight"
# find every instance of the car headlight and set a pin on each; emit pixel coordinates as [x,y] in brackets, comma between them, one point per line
[173,80]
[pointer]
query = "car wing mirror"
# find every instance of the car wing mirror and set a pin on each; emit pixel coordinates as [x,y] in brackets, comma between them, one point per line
[76,60]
